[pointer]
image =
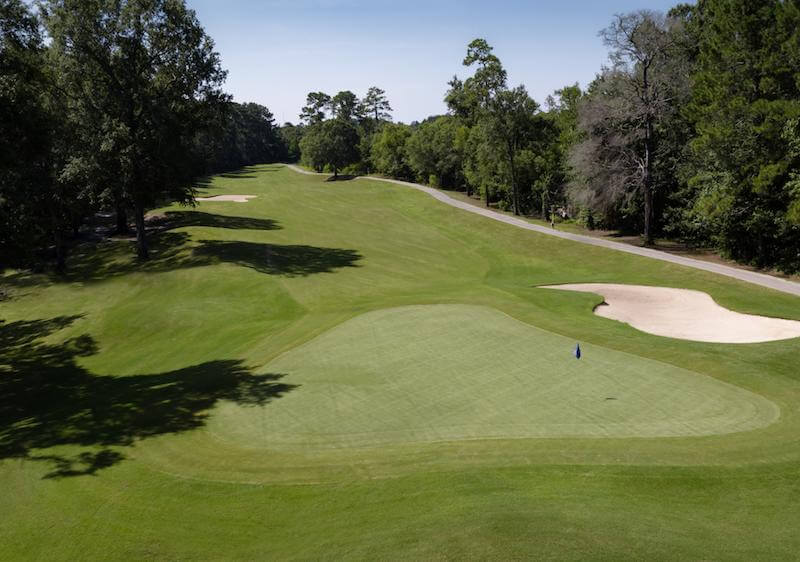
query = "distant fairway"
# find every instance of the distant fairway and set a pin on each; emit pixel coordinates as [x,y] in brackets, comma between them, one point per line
[451,372]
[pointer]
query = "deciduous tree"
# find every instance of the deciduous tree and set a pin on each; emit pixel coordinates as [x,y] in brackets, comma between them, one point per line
[620,115]
[150,72]
[331,143]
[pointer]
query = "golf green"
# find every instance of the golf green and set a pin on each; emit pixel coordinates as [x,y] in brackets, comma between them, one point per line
[452,372]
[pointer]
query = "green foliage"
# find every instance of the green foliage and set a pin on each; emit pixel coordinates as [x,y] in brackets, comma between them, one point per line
[291,136]
[317,103]
[433,149]
[345,106]
[24,123]
[388,150]
[331,143]
[118,63]
[376,105]
[745,91]
[43,194]
[244,135]
[586,218]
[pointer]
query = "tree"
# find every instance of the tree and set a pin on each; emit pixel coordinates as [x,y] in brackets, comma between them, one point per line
[317,103]
[331,143]
[468,99]
[562,111]
[508,114]
[376,105]
[150,73]
[631,97]
[291,135]
[388,150]
[42,197]
[483,165]
[744,93]
[25,142]
[244,134]
[345,106]
[511,121]
[434,152]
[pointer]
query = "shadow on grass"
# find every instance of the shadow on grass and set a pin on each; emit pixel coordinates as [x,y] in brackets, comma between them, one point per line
[170,251]
[248,172]
[180,219]
[48,400]
[342,177]
[275,259]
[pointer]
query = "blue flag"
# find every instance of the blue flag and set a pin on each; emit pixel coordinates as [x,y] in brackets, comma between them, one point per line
[577,351]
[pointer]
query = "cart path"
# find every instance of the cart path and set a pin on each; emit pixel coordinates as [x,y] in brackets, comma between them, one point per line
[762,279]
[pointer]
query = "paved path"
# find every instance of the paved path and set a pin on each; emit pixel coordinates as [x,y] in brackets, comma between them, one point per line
[783,285]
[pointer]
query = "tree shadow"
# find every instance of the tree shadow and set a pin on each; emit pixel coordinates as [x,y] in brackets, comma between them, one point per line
[342,177]
[179,219]
[111,258]
[171,250]
[47,399]
[203,183]
[274,259]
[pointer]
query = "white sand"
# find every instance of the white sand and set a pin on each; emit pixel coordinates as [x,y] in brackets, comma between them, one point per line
[683,314]
[235,198]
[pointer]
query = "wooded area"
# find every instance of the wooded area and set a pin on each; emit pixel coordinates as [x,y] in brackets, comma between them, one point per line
[692,130]
[110,107]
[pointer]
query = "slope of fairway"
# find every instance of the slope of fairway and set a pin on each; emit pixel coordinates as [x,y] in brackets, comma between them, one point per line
[451,372]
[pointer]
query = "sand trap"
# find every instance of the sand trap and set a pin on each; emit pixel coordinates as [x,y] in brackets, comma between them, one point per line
[234,198]
[683,314]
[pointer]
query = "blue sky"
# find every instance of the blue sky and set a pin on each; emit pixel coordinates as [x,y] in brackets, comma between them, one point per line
[276,51]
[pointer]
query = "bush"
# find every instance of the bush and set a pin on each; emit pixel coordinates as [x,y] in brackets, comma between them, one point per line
[586,218]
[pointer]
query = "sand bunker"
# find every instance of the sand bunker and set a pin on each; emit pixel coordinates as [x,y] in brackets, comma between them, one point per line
[683,314]
[234,198]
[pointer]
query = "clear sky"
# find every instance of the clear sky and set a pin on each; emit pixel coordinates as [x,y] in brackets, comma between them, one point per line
[276,51]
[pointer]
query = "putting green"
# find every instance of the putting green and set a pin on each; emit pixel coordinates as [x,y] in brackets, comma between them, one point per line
[453,372]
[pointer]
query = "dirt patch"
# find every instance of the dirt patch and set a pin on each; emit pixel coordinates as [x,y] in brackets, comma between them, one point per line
[683,314]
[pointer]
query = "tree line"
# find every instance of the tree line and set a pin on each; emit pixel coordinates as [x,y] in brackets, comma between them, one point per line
[691,131]
[110,105]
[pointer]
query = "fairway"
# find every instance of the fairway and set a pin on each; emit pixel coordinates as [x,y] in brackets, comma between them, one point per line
[415,374]
[354,370]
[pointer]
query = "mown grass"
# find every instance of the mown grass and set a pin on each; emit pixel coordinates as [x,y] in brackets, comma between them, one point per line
[112,381]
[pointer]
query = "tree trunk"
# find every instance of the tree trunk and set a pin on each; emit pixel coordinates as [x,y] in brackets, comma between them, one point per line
[488,195]
[122,218]
[335,173]
[647,188]
[544,204]
[61,251]
[141,235]
[648,211]
[58,239]
[513,180]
